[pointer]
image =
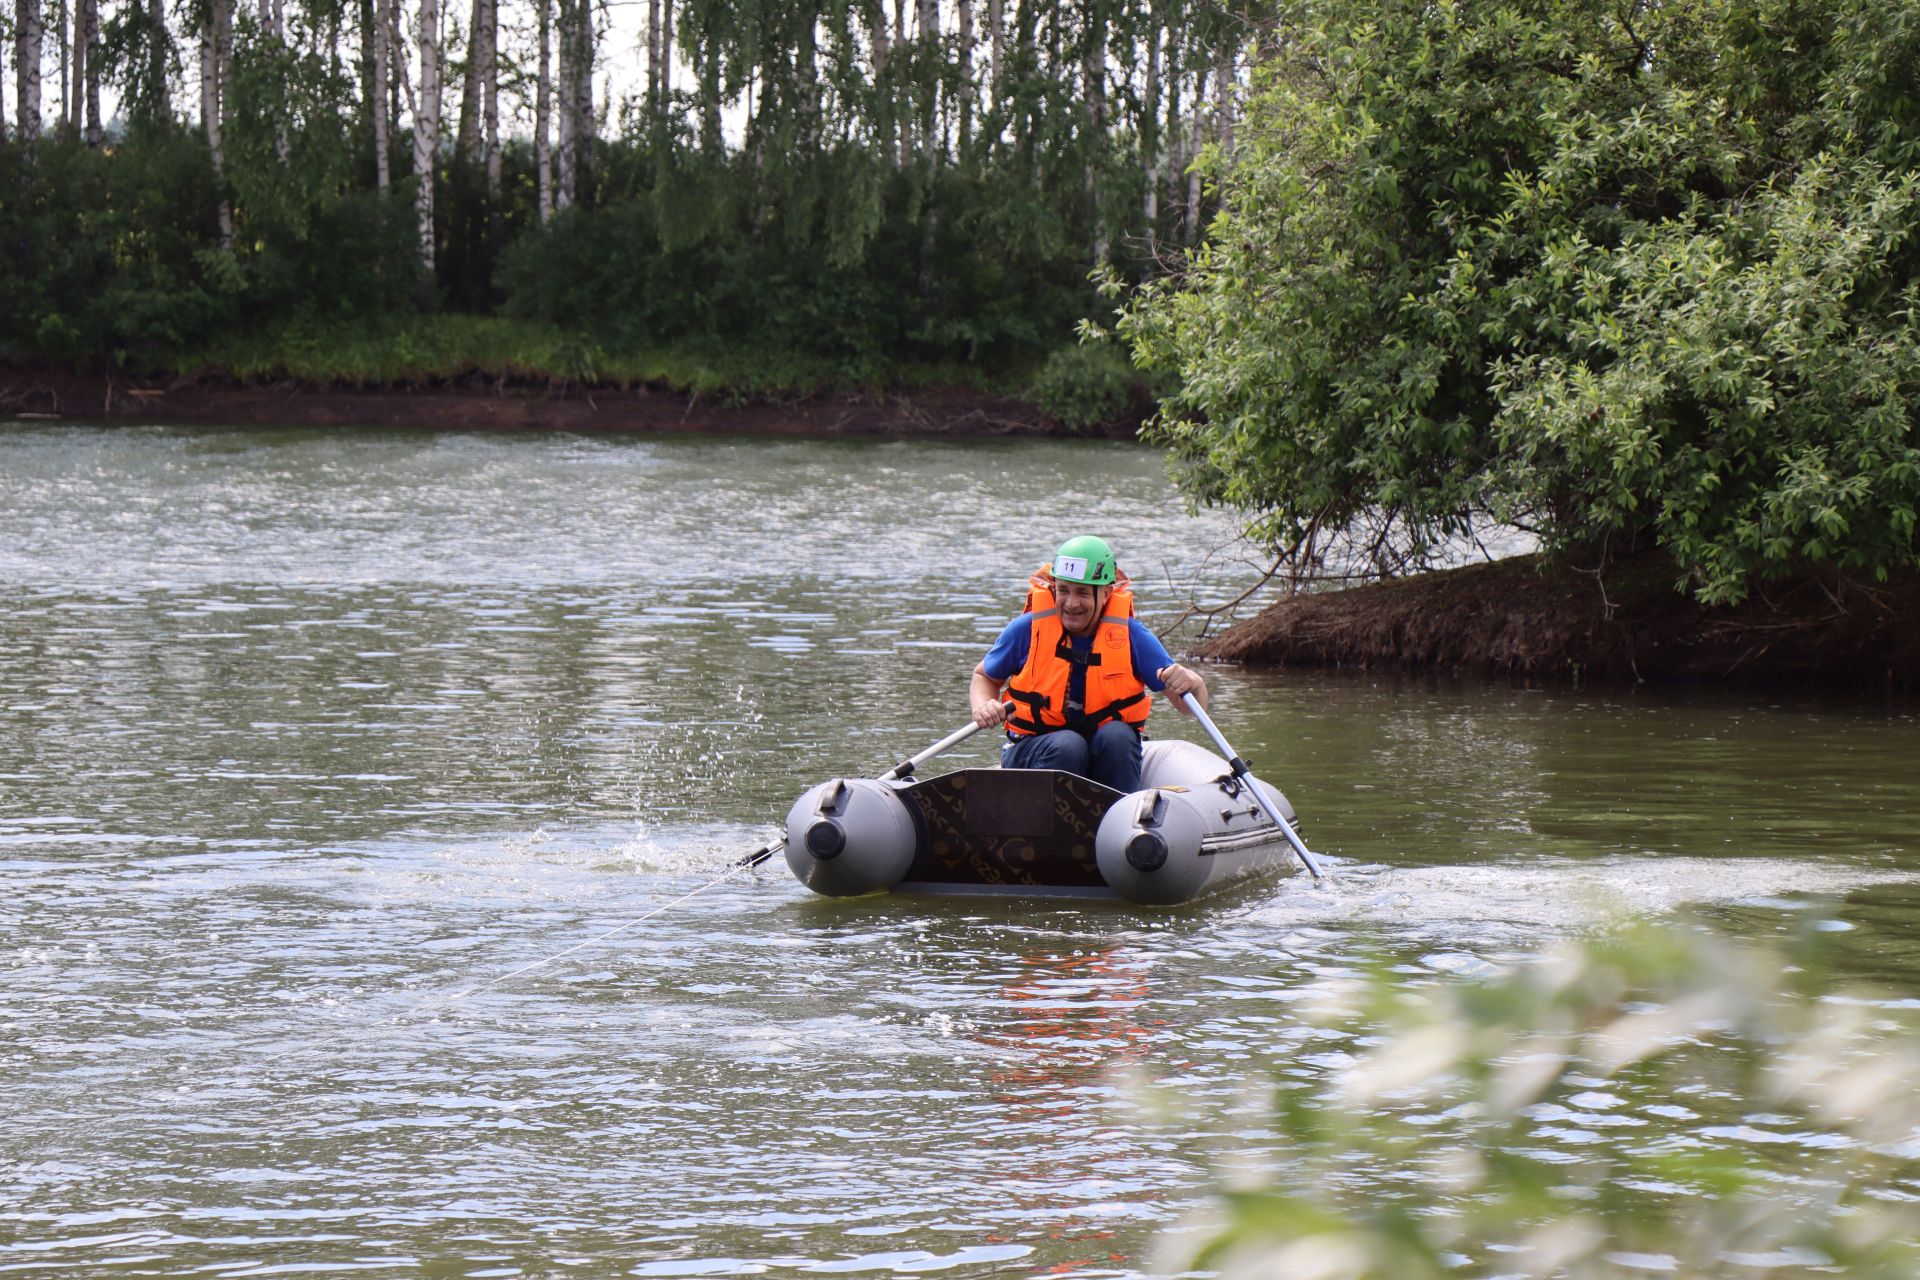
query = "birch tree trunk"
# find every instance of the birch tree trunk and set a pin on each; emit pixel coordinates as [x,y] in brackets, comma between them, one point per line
[399,83]
[806,71]
[963,139]
[27,67]
[426,123]
[490,113]
[903,100]
[77,69]
[1170,136]
[1150,131]
[61,55]
[1027,51]
[379,99]
[997,43]
[653,60]
[926,30]
[157,60]
[1193,150]
[666,50]
[90,44]
[585,128]
[1224,84]
[882,63]
[563,124]
[1093,79]
[215,46]
[272,19]
[466,138]
[543,112]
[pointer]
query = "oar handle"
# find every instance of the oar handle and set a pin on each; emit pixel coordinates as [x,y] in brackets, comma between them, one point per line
[1243,771]
[906,767]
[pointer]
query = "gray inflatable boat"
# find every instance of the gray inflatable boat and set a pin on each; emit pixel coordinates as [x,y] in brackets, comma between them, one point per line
[1191,828]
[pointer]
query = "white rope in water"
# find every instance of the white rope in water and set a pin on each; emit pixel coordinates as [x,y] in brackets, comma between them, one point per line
[411,1016]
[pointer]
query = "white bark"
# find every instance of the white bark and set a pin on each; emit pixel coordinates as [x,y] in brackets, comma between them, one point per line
[467,137]
[1193,150]
[543,112]
[490,105]
[1150,129]
[157,59]
[61,55]
[426,123]
[272,19]
[653,55]
[89,42]
[997,40]
[1170,137]
[585,119]
[964,136]
[216,50]
[77,68]
[666,49]
[380,107]
[397,65]
[566,117]
[806,62]
[903,102]
[27,32]
[1093,77]
[1225,81]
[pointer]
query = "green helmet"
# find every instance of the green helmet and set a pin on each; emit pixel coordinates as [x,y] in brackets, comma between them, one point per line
[1086,559]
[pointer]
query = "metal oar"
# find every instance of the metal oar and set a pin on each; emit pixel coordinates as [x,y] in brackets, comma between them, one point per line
[904,769]
[1242,770]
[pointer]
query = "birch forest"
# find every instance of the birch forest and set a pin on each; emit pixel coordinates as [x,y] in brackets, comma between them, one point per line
[864,182]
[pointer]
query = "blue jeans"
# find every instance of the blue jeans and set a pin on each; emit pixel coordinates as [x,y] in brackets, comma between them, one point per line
[1111,758]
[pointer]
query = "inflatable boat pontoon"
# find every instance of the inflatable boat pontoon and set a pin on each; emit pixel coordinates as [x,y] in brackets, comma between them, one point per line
[1193,826]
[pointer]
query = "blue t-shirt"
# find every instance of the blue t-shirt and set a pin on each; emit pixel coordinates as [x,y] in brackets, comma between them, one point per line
[1009,652]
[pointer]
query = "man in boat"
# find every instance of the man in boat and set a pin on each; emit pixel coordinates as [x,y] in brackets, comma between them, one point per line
[1080,672]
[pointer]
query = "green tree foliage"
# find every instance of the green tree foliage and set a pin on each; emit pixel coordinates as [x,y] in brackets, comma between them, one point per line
[1625,275]
[1422,1157]
[861,185]
[100,254]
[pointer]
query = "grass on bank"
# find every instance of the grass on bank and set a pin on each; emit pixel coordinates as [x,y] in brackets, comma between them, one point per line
[1078,385]
[440,348]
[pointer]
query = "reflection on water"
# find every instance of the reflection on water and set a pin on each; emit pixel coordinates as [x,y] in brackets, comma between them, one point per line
[308,739]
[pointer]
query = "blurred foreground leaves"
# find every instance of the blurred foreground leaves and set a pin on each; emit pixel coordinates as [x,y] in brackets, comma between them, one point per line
[1791,1149]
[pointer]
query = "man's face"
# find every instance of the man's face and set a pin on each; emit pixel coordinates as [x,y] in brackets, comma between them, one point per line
[1079,606]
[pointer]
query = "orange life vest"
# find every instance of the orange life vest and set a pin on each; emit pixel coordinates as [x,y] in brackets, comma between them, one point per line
[1039,689]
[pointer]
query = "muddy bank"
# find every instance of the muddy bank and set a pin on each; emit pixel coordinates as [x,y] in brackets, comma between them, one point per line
[484,405]
[1521,617]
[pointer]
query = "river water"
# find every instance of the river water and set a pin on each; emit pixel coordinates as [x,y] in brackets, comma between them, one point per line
[312,741]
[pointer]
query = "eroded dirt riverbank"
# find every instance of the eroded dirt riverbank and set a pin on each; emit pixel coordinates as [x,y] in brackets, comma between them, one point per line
[1525,617]
[478,404]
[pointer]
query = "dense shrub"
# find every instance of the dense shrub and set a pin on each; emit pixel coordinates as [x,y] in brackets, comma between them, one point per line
[1084,385]
[1624,277]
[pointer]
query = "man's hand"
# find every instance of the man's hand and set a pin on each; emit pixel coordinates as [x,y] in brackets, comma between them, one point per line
[984,696]
[1183,680]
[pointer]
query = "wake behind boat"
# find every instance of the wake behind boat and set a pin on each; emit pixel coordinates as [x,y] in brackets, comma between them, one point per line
[1194,826]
